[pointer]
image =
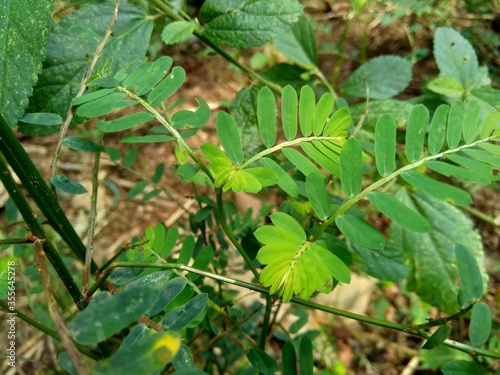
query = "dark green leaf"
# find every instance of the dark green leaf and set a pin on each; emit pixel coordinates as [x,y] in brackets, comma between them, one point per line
[286,74]
[480,324]
[177,31]
[46,119]
[360,231]
[351,167]
[397,109]
[463,368]
[130,156]
[81,144]
[266,114]
[490,123]
[167,294]
[186,250]
[262,361]
[106,316]
[437,130]
[289,112]
[474,165]
[299,44]
[415,132]
[183,360]
[284,180]
[483,156]
[63,183]
[150,138]
[398,212]
[113,153]
[23,30]
[470,122]
[137,189]
[455,123]
[168,86]
[471,281]
[153,75]
[148,196]
[385,145]
[187,171]
[229,137]
[248,23]
[158,175]
[306,110]
[380,78]
[289,359]
[437,337]
[306,360]
[180,317]
[318,195]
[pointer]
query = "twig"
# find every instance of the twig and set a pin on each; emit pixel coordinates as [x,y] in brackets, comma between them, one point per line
[83,86]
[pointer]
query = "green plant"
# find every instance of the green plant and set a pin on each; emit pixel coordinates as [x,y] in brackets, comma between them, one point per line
[330,162]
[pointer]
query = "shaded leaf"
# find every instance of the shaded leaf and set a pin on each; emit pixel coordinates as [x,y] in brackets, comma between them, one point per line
[471,281]
[415,132]
[266,115]
[300,161]
[360,231]
[81,144]
[186,118]
[47,119]
[480,324]
[385,145]
[463,368]
[180,317]
[299,44]
[244,111]
[306,360]
[104,105]
[284,180]
[289,359]
[168,86]
[437,130]
[351,167]
[63,183]
[437,337]
[151,138]
[262,361]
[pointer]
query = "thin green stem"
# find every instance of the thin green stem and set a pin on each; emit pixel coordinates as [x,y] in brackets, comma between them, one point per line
[441,321]
[11,241]
[481,215]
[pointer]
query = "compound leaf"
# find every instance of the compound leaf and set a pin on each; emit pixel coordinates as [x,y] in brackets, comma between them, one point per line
[321,112]
[470,122]
[125,122]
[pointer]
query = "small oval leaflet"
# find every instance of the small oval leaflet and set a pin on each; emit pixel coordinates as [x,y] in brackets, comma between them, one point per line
[437,337]
[63,183]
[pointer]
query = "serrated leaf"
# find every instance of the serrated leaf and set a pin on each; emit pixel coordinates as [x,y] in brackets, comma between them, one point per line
[447,86]
[455,56]
[318,195]
[351,167]
[462,367]
[321,112]
[306,109]
[284,180]
[437,130]
[434,274]
[300,161]
[480,324]
[104,105]
[123,123]
[398,212]
[177,31]
[380,78]
[438,337]
[244,24]
[81,144]
[471,281]
[266,115]
[299,44]
[455,124]
[96,323]
[470,121]
[229,137]
[168,86]
[23,34]
[45,119]
[289,105]
[385,145]
[360,231]
[63,183]
[180,317]
[437,189]
[415,132]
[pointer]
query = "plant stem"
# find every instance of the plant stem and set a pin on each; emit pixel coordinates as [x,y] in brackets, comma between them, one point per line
[38,231]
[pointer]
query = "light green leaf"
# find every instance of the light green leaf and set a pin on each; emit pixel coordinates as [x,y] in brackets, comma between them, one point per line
[63,183]
[351,167]
[177,31]
[398,212]
[299,44]
[91,96]
[455,56]
[321,112]
[47,119]
[23,34]
[337,124]
[490,123]
[181,316]
[229,137]
[284,180]
[123,123]
[463,368]
[480,324]
[447,86]
[397,109]
[380,78]
[448,170]
[385,145]
[360,231]
[455,124]
[437,337]
[168,86]
[300,161]
[415,132]
[266,114]
[318,195]
[186,118]
[81,144]
[289,103]
[306,109]
[323,155]
[266,176]
[471,281]
[437,130]
[245,24]
[285,221]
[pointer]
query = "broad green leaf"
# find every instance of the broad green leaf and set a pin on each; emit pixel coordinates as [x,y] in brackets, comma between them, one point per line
[300,161]
[186,118]
[80,33]
[306,110]
[289,103]
[462,367]
[490,123]
[242,180]
[229,137]
[385,145]
[63,183]
[180,317]
[351,167]
[244,111]
[380,78]
[262,361]
[436,188]
[447,169]
[316,152]
[398,212]
[360,231]
[455,56]
[23,34]
[123,123]
[471,281]
[245,24]
[480,324]
[318,195]
[105,105]
[96,323]
[150,138]
[284,180]
[187,171]
[289,359]
[321,112]
[455,124]
[306,360]
[177,31]
[447,86]
[46,119]
[470,122]
[437,337]
[168,86]
[266,114]
[336,267]
[437,130]
[91,96]
[212,152]
[81,144]
[434,275]
[415,132]
[299,44]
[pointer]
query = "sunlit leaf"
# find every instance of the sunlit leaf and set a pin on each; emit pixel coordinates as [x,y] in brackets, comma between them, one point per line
[177,31]
[480,324]
[318,195]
